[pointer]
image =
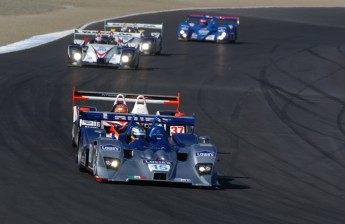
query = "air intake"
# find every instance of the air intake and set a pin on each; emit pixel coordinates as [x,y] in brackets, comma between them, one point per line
[159,176]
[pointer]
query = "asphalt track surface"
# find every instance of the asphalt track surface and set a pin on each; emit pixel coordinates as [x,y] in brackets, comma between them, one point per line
[273,103]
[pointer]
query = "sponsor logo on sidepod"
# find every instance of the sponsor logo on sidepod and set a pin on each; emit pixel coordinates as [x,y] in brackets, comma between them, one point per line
[206,154]
[110,148]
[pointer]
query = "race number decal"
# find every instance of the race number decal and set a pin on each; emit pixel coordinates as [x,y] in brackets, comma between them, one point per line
[176,129]
[159,167]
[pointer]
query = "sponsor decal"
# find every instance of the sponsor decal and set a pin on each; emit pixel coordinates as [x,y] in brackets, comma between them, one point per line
[90,123]
[109,94]
[110,148]
[137,177]
[157,162]
[206,154]
[101,50]
[182,180]
[158,165]
[203,32]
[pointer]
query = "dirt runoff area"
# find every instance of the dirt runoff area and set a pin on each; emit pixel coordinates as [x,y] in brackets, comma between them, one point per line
[22,19]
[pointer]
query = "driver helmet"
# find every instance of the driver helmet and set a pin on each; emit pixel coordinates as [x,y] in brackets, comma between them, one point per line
[138,132]
[121,108]
[203,21]
[111,34]
[111,38]
[98,37]
[124,29]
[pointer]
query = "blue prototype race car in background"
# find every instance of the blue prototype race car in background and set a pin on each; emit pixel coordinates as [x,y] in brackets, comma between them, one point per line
[209,28]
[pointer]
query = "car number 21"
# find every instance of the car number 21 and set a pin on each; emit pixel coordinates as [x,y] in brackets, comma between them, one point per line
[159,167]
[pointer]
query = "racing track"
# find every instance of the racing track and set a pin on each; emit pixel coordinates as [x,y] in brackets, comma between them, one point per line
[274,104]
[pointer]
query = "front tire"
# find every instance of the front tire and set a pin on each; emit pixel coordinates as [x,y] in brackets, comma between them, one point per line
[81,168]
[75,137]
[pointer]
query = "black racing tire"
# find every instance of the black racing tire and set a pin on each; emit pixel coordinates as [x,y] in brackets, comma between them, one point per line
[94,166]
[75,138]
[81,168]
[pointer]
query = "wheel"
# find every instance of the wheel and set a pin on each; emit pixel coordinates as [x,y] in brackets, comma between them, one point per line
[94,165]
[74,138]
[98,179]
[81,168]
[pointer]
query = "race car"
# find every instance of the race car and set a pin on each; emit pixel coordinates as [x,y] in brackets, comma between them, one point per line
[209,28]
[152,35]
[163,152]
[103,48]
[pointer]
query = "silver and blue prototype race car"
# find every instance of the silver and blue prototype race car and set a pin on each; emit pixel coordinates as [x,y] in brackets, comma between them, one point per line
[152,35]
[170,152]
[103,48]
[209,28]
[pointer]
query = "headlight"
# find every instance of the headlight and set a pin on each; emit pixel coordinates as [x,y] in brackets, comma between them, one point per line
[204,168]
[145,46]
[77,56]
[183,33]
[222,36]
[112,163]
[125,59]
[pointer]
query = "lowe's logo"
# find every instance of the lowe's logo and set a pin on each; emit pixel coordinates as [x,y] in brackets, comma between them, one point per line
[206,154]
[110,148]
[157,161]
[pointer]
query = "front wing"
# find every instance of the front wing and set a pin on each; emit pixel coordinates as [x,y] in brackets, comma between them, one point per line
[135,173]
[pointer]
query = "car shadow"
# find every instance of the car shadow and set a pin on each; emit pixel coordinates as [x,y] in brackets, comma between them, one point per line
[226,183]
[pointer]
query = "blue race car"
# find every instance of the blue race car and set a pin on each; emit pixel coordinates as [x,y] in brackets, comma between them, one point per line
[209,28]
[153,148]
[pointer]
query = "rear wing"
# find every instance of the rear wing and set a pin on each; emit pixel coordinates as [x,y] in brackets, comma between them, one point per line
[140,99]
[171,124]
[229,18]
[139,118]
[139,26]
[80,34]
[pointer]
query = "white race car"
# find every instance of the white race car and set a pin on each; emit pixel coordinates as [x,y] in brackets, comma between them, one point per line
[152,35]
[104,48]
